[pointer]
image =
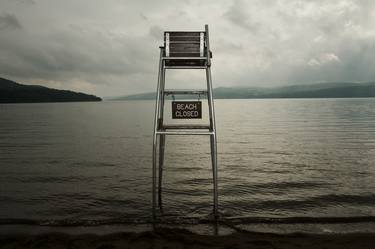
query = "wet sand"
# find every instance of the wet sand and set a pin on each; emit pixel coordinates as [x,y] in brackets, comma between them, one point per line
[164,238]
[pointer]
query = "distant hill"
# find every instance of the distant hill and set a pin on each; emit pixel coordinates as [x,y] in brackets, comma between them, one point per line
[320,90]
[141,96]
[13,92]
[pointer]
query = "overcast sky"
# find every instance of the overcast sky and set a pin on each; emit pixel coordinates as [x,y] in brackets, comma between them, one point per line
[110,47]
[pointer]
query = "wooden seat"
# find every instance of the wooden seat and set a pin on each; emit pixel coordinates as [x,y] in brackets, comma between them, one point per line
[186,49]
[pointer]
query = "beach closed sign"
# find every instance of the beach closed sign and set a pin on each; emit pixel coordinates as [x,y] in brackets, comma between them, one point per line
[186,109]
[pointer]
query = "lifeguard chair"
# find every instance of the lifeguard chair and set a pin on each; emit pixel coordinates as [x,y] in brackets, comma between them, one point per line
[183,50]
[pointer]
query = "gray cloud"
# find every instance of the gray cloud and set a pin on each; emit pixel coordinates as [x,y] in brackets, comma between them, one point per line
[9,21]
[111,47]
[238,15]
[90,56]
[24,1]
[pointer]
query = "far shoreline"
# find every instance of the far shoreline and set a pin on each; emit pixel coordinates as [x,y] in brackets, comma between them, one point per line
[53,102]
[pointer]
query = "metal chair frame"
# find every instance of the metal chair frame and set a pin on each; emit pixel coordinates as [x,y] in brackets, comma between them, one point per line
[181,61]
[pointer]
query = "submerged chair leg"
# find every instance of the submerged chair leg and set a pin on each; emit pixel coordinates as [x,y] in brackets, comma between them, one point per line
[155,138]
[213,142]
[154,154]
[161,165]
[162,137]
[214,172]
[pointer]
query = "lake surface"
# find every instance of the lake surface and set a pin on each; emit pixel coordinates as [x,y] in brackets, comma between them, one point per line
[278,158]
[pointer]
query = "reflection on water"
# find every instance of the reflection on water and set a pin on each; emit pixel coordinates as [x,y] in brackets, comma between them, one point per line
[277,158]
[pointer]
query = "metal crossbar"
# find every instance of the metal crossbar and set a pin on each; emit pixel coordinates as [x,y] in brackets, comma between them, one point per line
[188,127]
[161,129]
[186,92]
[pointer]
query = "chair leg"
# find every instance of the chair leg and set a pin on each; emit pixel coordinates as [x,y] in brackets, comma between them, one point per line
[155,138]
[213,141]
[154,155]
[161,165]
[214,173]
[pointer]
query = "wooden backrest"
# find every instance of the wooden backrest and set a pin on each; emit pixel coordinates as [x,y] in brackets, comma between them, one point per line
[185,44]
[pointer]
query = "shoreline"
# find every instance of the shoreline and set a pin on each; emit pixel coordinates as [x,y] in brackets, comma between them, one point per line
[204,227]
[173,237]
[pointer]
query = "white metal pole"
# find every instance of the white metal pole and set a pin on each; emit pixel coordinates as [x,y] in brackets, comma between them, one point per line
[154,152]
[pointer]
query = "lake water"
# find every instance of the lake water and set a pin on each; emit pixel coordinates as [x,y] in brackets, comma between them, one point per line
[281,158]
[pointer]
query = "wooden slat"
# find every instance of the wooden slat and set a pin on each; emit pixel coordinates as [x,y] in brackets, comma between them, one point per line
[183,58]
[190,42]
[185,63]
[185,67]
[186,48]
[184,45]
[184,54]
[182,33]
[184,38]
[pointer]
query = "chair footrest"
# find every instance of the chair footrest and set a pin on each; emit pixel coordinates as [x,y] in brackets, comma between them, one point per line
[186,127]
[184,132]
